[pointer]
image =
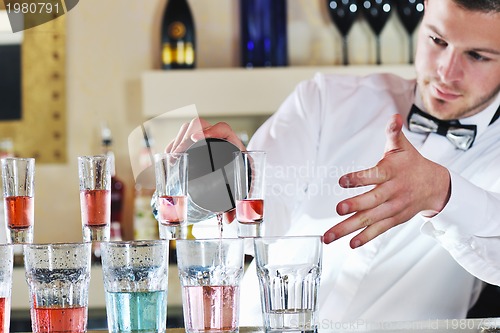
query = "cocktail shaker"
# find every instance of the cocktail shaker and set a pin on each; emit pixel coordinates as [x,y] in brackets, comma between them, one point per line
[211,189]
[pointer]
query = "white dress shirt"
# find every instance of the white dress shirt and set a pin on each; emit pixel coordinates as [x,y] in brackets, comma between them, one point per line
[422,269]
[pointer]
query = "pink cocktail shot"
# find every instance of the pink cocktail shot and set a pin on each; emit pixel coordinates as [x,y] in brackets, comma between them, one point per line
[249,184]
[95,196]
[171,194]
[18,197]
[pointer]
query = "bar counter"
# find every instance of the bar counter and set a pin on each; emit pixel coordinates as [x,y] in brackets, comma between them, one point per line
[481,325]
[20,321]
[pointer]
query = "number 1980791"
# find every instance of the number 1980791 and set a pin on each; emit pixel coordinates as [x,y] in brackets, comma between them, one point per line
[33,8]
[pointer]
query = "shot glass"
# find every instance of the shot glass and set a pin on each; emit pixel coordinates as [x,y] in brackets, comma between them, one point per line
[249,182]
[210,271]
[6,265]
[58,277]
[289,270]
[18,176]
[95,196]
[135,281]
[171,194]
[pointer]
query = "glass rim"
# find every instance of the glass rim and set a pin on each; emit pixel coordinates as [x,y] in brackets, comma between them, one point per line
[12,158]
[56,245]
[181,153]
[136,243]
[276,238]
[250,152]
[159,156]
[89,157]
[210,239]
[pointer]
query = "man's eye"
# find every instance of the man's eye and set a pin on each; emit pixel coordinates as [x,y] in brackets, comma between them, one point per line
[438,41]
[477,56]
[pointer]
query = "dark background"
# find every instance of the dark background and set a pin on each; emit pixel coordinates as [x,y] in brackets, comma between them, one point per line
[10,82]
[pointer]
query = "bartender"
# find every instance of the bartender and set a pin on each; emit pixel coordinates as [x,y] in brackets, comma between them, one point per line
[409,169]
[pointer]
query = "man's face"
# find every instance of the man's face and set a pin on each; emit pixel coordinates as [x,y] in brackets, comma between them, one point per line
[458,59]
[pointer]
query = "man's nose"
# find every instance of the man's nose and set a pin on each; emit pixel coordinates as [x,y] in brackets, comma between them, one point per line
[450,67]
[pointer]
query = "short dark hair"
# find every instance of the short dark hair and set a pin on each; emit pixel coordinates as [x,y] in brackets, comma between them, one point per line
[487,6]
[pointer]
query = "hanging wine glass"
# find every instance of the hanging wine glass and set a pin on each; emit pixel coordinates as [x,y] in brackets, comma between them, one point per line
[377,14]
[410,13]
[343,13]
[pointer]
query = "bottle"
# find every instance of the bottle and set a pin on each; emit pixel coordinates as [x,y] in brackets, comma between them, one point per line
[263,29]
[117,187]
[178,40]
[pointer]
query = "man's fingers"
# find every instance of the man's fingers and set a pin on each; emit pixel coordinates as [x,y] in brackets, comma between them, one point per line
[362,219]
[199,129]
[184,138]
[178,139]
[371,232]
[365,201]
[372,176]
[372,222]
[394,134]
[220,130]
[376,229]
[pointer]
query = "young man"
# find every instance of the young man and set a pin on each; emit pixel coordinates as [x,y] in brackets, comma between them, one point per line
[425,207]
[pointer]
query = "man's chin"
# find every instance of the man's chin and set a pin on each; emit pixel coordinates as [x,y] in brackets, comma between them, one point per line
[440,108]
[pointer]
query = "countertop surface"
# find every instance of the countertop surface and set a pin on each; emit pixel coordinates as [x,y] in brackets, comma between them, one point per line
[483,325]
[20,304]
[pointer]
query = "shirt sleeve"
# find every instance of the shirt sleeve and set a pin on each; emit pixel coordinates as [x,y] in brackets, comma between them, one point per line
[469,229]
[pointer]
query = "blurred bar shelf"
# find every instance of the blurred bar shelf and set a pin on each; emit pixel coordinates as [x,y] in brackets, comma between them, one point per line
[237,91]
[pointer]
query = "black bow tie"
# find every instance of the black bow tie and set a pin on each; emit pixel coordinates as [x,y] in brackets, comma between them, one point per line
[462,136]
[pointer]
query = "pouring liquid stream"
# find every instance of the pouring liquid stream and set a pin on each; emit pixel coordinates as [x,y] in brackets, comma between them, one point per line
[220,224]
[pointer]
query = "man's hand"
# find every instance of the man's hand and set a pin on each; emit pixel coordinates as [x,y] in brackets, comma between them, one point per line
[405,183]
[198,129]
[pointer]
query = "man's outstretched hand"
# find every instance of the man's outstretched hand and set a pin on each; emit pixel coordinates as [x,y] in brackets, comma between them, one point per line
[405,183]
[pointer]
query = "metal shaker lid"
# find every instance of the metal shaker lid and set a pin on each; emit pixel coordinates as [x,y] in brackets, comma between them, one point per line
[211,174]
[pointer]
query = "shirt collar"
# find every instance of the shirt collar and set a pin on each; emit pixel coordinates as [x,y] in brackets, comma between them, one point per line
[481,119]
